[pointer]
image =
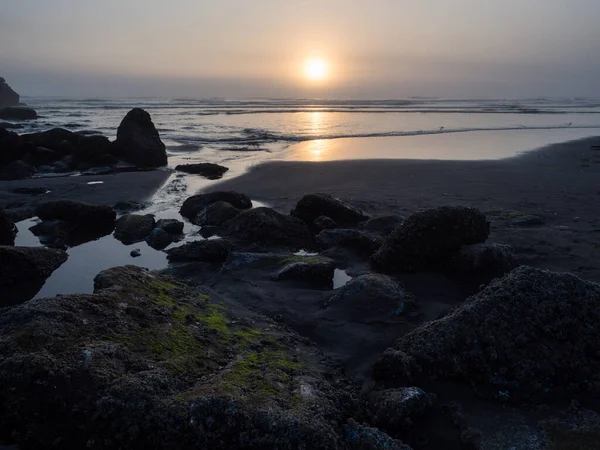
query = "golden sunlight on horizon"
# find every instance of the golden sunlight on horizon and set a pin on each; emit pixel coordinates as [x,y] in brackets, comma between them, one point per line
[315,69]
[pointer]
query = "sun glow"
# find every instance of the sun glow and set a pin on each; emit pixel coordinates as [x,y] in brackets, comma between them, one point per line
[315,69]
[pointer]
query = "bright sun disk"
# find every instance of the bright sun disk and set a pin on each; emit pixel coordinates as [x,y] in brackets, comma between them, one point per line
[315,69]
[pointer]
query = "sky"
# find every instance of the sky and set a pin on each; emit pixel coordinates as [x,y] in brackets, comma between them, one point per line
[258,48]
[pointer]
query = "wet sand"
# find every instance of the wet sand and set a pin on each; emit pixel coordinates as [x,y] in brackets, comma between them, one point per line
[560,183]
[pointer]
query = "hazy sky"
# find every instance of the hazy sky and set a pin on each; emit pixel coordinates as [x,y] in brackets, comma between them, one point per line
[250,48]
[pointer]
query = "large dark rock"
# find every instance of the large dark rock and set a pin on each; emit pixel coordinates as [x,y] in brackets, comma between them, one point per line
[43,156]
[315,271]
[383,225]
[216,214]
[132,228]
[27,264]
[371,295]
[54,139]
[324,223]
[159,239]
[208,250]
[8,97]
[94,149]
[485,261]
[11,147]
[147,362]
[81,214]
[196,203]
[312,206]
[8,230]
[266,226]
[17,113]
[360,241]
[172,226]
[207,170]
[392,407]
[426,240]
[17,170]
[363,437]
[529,335]
[138,141]
[8,125]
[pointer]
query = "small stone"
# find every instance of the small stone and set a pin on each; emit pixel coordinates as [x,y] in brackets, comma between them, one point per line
[136,252]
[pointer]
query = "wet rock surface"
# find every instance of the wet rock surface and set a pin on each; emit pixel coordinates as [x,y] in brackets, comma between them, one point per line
[132,228]
[17,113]
[81,214]
[312,206]
[172,226]
[360,241]
[138,141]
[314,271]
[485,261]
[216,214]
[383,225]
[208,250]
[426,240]
[528,335]
[207,170]
[195,204]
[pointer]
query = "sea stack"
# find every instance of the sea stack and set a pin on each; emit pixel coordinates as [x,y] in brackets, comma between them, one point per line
[8,97]
[138,141]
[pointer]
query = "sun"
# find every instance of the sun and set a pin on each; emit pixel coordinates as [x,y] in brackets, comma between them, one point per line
[315,69]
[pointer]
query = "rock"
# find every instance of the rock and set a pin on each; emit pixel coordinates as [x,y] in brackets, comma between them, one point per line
[312,206]
[8,97]
[427,240]
[136,252]
[208,250]
[8,125]
[53,233]
[357,240]
[371,295]
[129,206]
[207,170]
[208,231]
[193,205]
[17,170]
[132,228]
[27,264]
[58,139]
[8,230]
[526,221]
[266,226]
[485,260]
[95,149]
[314,271]
[160,365]
[11,147]
[17,113]
[527,336]
[361,437]
[43,155]
[138,141]
[159,239]
[172,226]
[391,407]
[216,214]
[85,216]
[324,223]
[383,225]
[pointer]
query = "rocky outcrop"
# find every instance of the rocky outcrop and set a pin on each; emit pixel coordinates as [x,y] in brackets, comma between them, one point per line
[266,226]
[312,206]
[159,239]
[138,141]
[8,97]
[11,147]
[158,365]
[427,240]
[392,407]
[171,226]
[383,225]
[132,228]
[314,271]
[324,223]
[484,261]
[371,295]
[207,170]
[17,113]
[196,203]
[8,230]
[529,335]
[208,250]
[28,264]
[216,214]
[360,241]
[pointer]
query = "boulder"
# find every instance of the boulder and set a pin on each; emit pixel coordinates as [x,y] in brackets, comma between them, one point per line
[8,97]
[208,231]
[530,335]
[324,223]
[360,241]
[58,139]
[383,225]
[83,215]
[132,228]
[266,226]
[196,203]
[17,170]
[427,240]
[363,437]
[17,113]
[207,170]
[315,271]
[159,239]
[11,147]
[208,250]
[138,141]
[371,295]
[94,149]
[28,264]
[392,407]
[312,206]
[216,214]
[8,125]
[8,230]
[43,156]
[172,226]
[485,261]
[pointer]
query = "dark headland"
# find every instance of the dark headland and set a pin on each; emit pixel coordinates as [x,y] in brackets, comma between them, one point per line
[471,319]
